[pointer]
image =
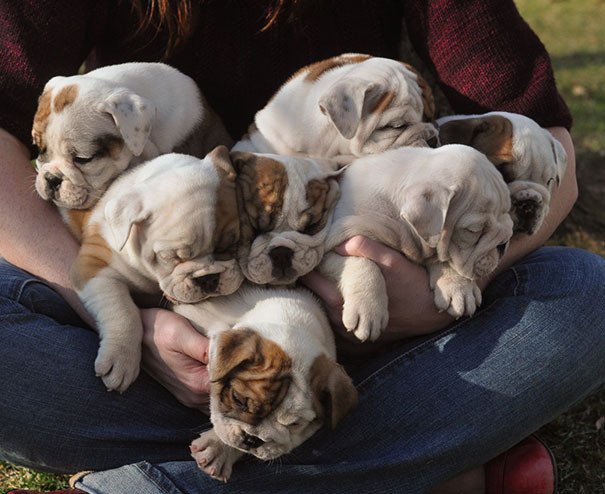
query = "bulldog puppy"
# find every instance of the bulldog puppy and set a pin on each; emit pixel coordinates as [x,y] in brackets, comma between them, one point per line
[274,380]
[444,208]
[288,201]
[90,128]
[345,107]
[171,226]
[530,159]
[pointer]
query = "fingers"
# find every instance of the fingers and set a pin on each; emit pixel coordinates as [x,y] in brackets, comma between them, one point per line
[360,246]
[327,291]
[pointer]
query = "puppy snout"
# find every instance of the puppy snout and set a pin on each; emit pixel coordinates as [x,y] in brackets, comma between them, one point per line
[53,181]
[281,258]
[208,283]
[251,442]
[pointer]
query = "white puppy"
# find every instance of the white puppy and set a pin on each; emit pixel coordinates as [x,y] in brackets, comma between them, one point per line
[530,159]
[89,128]
[288,201]
[445,208]
[274,379]
[171,226]
[345,107]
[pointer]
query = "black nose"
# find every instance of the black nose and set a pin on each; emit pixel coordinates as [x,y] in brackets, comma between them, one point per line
[53,181]
[208,283]
[252,442]
[281,257]
[502,248]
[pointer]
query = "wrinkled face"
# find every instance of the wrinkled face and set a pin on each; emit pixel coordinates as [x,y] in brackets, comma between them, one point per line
[515,144]
[182,224]
[266,402]
[479,236]
[81,150]
[289,201]
[380,104]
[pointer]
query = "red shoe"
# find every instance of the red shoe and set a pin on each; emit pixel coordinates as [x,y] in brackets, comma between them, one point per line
[527,468]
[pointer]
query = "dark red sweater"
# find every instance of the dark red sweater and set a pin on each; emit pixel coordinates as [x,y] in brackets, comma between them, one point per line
[485,57]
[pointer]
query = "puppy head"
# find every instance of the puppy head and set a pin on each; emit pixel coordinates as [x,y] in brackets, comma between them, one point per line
[266,402]
[467,224]
[289,201]
[87,132]
[380,104]
[515,144]
[176,218]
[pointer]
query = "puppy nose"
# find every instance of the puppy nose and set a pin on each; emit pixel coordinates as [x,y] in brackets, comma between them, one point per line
[208,283]
[281,257]
[53,181]
[252,442]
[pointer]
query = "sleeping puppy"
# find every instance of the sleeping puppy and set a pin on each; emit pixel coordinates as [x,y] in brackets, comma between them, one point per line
[345,107]
[90,128]
[274,379]
[530,159]
[288,201]
[444,208]
[171,226]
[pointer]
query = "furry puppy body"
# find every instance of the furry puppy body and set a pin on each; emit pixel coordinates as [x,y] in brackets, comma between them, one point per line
[274,378]
[171,226]
[444,208]
[90,128]
[345,107]
[530,159]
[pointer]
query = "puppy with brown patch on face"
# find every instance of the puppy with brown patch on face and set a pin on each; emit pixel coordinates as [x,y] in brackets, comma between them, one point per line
[90,128]
[274,380]
[169,226]
[445,208]
[530,159]
[288,201]
[345,107]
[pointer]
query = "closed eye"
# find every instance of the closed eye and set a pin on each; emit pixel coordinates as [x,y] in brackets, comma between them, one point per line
[82,160]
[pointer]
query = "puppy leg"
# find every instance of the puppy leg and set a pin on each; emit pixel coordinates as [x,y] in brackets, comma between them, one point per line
[213,456]
[529,205]
[365,312]
[457,295]
[120,329]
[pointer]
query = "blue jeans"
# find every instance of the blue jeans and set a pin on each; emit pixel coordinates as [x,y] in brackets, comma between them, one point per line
[429,408]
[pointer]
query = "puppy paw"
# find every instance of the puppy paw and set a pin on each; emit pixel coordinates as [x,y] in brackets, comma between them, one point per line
[213,456]
[457,295]
[365,317]
[118,367]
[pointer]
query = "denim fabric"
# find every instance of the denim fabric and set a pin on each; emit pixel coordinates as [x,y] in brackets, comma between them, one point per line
[428,409]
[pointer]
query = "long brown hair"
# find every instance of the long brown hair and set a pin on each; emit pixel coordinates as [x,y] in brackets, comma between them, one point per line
[178,18]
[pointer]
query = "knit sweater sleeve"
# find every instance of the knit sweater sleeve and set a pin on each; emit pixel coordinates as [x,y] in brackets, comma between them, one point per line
[486,57]
[38,40]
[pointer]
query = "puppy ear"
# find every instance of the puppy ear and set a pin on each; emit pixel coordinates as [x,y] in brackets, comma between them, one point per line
[343,104]
[227,228]
[122,213]
[428,101]
[321,198]
[425,210]
[222,161]
[560,157]
[133,115]
[334,392]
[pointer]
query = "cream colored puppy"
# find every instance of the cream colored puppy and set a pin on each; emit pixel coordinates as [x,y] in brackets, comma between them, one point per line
[171,226]
[444,208]
[274,380]
[288,201]
[89,128]
[530,159]
[345,107]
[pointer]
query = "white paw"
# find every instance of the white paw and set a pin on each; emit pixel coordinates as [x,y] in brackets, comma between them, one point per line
[457,295]
[365,316]
[118,366]
[212,456]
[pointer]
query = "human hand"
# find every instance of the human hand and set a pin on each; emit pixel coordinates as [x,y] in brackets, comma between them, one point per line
[412,310]
[176,355]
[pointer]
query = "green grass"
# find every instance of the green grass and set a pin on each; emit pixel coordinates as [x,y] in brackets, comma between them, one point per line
[572,32]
